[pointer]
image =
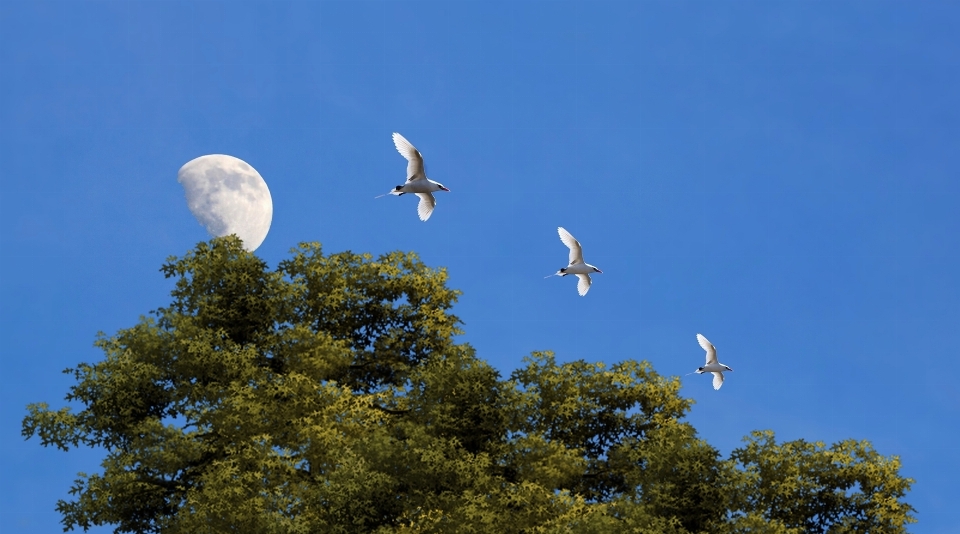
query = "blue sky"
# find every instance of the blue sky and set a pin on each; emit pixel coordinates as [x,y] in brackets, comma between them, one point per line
[781,176]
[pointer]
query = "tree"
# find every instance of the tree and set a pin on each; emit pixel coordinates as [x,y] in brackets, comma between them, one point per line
[329,395]
[809,488]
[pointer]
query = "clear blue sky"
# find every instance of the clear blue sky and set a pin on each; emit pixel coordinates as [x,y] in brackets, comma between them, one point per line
[781,176]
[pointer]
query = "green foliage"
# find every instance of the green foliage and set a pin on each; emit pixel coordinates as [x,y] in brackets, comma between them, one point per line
[329,395]
[392,313]
[845,488]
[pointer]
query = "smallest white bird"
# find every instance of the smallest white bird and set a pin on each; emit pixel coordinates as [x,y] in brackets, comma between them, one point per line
[713,366]
[576,265]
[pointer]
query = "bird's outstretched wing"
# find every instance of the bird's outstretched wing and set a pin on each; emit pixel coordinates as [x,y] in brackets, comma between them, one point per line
[717,379]
[711,350]
[576,252]
[584,284]
[427,203]
[414,159]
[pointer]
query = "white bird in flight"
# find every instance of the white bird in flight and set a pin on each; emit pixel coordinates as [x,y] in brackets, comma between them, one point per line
[576,266]
[713,366]
[417,181]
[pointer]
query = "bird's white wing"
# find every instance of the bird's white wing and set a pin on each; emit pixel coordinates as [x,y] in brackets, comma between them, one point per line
[427,203]
[576,253]
[414,159]
[711,350]
[717,379]
[584,284]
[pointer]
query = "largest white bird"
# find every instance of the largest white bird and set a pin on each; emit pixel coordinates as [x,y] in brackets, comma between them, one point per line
[713,366]
[576,265]
[417,181]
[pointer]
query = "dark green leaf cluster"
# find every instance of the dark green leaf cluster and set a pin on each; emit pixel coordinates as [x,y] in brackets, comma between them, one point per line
[329,395]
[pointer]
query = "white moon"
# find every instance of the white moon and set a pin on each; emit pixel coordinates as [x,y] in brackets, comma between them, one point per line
[228,196]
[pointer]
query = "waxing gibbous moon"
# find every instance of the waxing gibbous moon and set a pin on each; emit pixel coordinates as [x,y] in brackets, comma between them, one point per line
[228,196]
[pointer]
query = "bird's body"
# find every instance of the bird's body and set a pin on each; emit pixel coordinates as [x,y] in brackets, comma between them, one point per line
[417,181]
[576,265]
[713,366]
[419,186]
[578,268]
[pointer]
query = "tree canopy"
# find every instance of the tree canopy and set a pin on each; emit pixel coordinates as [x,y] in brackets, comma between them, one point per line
[330,395]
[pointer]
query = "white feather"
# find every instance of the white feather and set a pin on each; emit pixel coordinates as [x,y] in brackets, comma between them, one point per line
[584,284]
[414,159]
[717,380]
[426,205]
[576,251]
